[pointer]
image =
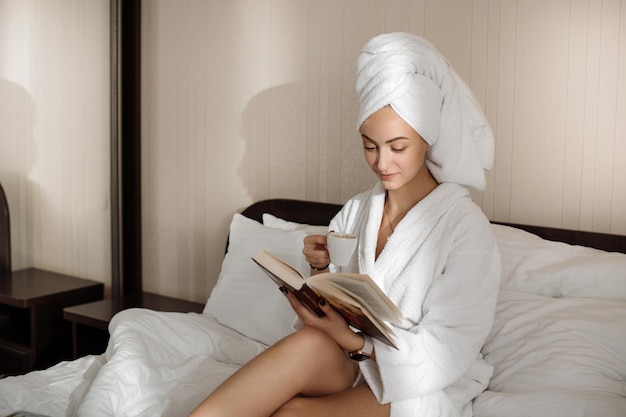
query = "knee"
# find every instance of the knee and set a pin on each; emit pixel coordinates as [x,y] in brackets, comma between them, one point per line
[313,341]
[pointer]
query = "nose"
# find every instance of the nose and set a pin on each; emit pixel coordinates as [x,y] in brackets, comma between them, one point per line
[384,160]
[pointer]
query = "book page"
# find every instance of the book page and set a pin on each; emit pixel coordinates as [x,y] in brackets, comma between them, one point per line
[365,291]
[356,314]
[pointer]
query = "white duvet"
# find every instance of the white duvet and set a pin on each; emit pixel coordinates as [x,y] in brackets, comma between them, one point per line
[156,364]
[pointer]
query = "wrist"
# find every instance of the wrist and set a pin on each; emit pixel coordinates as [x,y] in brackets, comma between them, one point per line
[322,268]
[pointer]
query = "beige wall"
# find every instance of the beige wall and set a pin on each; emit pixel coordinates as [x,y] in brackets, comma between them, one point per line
[54,133]
[245,100]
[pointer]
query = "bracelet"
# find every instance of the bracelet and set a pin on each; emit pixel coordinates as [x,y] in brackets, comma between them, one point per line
[319,269]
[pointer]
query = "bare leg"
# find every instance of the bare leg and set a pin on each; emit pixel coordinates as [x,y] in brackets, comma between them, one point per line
[358,401]
[307,362]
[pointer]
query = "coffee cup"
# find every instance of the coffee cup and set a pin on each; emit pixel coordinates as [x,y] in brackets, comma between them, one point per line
[341,246]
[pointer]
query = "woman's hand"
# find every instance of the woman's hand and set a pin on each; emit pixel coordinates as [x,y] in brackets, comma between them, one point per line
[316,252]
[333,324]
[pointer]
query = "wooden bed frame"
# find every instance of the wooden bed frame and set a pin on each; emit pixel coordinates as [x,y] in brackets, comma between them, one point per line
[318,213]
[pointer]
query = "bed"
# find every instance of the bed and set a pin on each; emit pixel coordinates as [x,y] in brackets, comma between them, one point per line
[558,345]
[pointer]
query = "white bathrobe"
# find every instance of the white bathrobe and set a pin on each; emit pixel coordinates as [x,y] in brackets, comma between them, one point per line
[441,266]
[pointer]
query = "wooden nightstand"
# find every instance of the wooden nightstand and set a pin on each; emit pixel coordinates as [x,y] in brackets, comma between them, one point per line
[90,321]
[33,334]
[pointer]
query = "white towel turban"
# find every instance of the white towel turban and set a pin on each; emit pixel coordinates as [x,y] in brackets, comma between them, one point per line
[407,72]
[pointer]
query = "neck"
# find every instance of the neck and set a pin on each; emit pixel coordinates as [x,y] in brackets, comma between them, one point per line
[399,202]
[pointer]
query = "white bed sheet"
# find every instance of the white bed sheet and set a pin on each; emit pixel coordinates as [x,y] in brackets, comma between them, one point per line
[156,364]
[556,357]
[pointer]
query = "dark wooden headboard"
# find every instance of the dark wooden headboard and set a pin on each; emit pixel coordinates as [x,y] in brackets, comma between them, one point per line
[603,241]
[299,211]
[319,213]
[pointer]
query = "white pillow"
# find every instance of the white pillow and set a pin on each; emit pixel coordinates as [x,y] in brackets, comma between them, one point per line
[270,220]
[555,269]
[245,298]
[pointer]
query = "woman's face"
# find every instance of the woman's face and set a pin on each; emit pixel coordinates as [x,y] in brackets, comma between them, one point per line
[394,150]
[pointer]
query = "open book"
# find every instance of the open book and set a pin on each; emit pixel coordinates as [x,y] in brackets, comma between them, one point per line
[356,296]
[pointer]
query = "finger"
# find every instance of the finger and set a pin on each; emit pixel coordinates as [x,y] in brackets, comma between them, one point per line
[315,242]
[329,311]
[292,300]
[303,312]
[315,251]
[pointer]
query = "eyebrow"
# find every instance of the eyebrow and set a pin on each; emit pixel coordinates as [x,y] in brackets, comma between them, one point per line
[363,136]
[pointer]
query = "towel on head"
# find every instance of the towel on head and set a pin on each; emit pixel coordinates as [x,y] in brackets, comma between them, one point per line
[406,72]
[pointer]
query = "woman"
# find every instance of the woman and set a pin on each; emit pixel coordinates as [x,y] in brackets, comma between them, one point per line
[420,238]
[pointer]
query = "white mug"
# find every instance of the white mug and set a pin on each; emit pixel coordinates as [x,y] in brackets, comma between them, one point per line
[341,246]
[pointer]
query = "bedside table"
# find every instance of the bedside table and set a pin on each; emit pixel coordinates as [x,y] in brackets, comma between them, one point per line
[90,321]
[33,334]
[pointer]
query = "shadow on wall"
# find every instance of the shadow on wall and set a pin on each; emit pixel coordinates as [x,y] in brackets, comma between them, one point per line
[273,129]
[17,157]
